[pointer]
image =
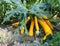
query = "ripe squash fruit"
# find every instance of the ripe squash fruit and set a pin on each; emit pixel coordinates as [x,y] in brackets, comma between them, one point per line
[36,26]
[47,21]
[31,28]
[22,31]
[46,28]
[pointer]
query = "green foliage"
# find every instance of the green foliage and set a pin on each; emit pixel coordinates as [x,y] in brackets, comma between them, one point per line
[19,10]
[56,40]
[24,7]
[3,8]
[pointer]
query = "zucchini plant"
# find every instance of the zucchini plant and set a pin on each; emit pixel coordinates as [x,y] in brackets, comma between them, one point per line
[32,15]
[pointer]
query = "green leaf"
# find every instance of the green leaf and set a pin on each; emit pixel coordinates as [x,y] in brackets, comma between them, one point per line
[57,21]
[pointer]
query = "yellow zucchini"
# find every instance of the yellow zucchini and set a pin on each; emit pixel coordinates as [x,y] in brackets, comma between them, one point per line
[17,23]
[46,28]
[48,22]
[37,26]
[31,28]
[22,31]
